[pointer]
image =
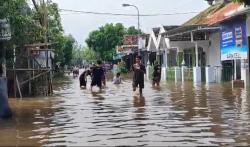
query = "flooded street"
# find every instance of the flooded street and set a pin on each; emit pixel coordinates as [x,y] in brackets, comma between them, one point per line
[175,115]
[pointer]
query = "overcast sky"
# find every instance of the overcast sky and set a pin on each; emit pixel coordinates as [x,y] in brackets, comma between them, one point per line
[79,25]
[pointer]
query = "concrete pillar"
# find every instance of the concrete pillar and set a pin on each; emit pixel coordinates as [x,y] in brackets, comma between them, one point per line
[177,74]
[163,74]
[196,54]
[164,69]
[218,74]
[210,75]
[245,76]
[166,58]
[183,68]
[158,56]
[197,74]
[5,111]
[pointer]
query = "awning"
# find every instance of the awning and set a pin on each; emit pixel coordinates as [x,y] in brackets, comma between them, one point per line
[185,32]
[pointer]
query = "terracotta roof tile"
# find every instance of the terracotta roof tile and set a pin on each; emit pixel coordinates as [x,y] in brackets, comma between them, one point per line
[220,15]
[213,14]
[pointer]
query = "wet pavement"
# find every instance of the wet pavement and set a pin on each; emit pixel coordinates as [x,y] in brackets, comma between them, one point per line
[173,115]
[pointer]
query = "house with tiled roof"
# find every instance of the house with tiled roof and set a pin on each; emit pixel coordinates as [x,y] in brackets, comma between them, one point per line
[198,44]
[234,42]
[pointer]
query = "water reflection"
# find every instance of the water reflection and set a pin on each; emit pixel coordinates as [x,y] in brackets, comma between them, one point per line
[139,104]
[177,114]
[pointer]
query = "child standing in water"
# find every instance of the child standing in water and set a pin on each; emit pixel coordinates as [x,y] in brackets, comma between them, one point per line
[138,76]
[117,79]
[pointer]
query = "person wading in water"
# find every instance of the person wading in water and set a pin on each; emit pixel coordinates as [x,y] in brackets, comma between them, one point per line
[138,76]
[83,78]
[97,75]
[156,74]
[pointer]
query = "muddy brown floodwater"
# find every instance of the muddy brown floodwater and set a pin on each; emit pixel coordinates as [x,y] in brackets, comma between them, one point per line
[175,115]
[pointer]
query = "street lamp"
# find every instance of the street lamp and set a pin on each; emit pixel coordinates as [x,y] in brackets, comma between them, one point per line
[138,27]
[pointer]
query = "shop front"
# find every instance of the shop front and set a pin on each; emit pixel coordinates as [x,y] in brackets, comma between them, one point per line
[234,49]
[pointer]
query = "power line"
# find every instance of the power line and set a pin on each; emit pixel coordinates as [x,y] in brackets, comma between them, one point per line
[124,14]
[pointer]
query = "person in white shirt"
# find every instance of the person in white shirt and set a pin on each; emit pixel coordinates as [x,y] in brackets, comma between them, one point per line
[117,79]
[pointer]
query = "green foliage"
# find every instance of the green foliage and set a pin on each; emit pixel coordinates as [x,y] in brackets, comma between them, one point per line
[24,26]
[105,40]
[30,26]
[68,49]
[133,31]
[89,55]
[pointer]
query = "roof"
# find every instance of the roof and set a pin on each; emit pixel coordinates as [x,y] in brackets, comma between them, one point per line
[206,21]
[192,28]
[201,18]
[132,39]
[167,28]
[156,30]
[221,14]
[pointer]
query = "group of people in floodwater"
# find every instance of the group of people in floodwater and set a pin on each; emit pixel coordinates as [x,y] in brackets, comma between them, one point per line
[98,78]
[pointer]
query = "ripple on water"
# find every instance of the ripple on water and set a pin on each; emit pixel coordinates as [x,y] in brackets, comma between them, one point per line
[174,115]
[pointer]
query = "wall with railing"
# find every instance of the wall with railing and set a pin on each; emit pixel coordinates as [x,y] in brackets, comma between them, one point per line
[170,76]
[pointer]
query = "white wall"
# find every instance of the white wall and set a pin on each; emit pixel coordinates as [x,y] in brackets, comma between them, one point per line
[187,44]
[212,50]
[248,25]
[213,54]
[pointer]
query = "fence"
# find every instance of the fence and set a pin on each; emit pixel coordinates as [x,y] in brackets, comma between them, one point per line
[203,74]
[170,74]
[188,74]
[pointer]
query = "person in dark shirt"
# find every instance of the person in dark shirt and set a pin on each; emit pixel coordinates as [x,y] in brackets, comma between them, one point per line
[97,76]
[138,76]
[156,74]
[83,78]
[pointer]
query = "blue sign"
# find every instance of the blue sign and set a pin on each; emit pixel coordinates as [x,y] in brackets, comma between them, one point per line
[234,40]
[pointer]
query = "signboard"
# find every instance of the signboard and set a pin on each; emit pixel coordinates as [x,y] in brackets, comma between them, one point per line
[5,33]
[234,40]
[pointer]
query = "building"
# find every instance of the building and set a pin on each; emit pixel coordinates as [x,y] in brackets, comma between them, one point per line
[194,49]
[129,50]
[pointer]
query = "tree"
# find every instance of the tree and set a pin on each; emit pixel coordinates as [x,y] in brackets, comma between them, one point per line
[68,49]
[133,31]
[41,24]
[104,40]
[89,55]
